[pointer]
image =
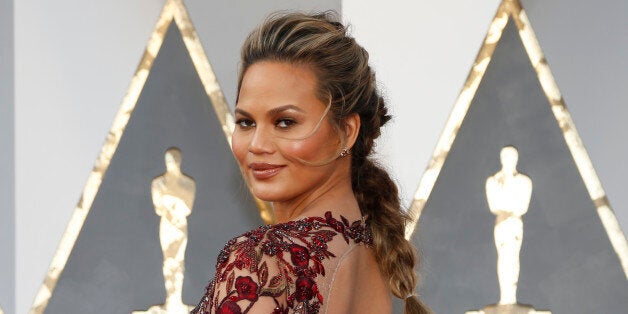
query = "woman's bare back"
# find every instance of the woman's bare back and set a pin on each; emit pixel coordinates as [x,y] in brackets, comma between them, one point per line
[312,265]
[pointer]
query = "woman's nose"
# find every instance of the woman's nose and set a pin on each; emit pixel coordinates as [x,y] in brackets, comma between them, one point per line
[261,142]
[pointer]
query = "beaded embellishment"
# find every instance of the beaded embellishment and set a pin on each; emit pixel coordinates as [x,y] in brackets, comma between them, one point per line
[296,249]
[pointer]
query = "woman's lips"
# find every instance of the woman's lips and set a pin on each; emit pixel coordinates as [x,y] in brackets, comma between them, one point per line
[263,171]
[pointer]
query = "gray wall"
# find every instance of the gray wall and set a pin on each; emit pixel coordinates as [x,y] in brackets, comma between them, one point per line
[423,51]
[73,64]
[74,61]
[586,44]
[7,174]
[115,262]
[564,241]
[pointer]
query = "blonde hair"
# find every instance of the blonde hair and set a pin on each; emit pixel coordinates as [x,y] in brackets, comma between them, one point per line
[346,80]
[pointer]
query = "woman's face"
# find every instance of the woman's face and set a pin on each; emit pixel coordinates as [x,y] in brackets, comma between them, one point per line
[277,128]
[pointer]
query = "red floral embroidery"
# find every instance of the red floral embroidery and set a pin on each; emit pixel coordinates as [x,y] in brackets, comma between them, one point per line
[305,289]
[229,307]
[292,285]
[299,255]
[246,288]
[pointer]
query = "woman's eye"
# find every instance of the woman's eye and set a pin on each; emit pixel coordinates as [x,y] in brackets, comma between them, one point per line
[245,123]
[284,123]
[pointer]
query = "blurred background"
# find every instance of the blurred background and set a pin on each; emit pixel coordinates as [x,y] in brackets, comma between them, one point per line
[65,66]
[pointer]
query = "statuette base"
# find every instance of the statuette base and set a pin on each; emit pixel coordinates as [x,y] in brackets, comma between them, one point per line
[508,309]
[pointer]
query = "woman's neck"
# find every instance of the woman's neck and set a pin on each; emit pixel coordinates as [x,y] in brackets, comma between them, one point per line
[334,195]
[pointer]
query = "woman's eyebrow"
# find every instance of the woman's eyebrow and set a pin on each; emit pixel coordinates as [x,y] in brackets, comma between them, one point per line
[273,111]
[279,109]
[242,112]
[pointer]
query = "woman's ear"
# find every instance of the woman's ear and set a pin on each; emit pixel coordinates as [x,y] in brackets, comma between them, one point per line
[351,125]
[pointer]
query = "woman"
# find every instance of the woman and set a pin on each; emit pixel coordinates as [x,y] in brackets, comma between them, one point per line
[307,114]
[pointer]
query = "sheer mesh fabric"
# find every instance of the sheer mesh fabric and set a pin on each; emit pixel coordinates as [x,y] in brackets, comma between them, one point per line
[283,268]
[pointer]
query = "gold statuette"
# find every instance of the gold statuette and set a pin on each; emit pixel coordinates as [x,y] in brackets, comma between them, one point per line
[173,197]
[508,193]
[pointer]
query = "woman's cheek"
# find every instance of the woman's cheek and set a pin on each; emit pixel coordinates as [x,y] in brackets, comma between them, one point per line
[239,147]
[304,150]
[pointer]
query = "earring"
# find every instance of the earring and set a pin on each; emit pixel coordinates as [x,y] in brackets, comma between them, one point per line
[344,152]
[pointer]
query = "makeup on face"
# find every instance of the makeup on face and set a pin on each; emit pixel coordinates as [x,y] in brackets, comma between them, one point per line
[282,130]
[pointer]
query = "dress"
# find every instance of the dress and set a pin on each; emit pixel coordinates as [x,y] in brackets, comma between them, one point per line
[282,268]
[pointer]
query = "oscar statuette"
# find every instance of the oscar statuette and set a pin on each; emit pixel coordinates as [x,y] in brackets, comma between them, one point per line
[173,197]
[508,193]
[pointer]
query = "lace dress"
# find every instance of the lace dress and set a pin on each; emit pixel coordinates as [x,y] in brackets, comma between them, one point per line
[283,268]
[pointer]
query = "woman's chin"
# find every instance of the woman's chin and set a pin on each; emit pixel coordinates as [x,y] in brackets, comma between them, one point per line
[270,195]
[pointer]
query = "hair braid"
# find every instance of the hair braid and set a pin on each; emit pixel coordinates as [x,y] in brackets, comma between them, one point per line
[378,197]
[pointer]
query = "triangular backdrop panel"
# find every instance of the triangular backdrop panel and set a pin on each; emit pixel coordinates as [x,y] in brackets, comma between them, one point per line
[567,262]
[115,265]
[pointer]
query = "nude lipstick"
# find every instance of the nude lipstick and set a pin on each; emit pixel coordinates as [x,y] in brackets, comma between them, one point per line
[262,171]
